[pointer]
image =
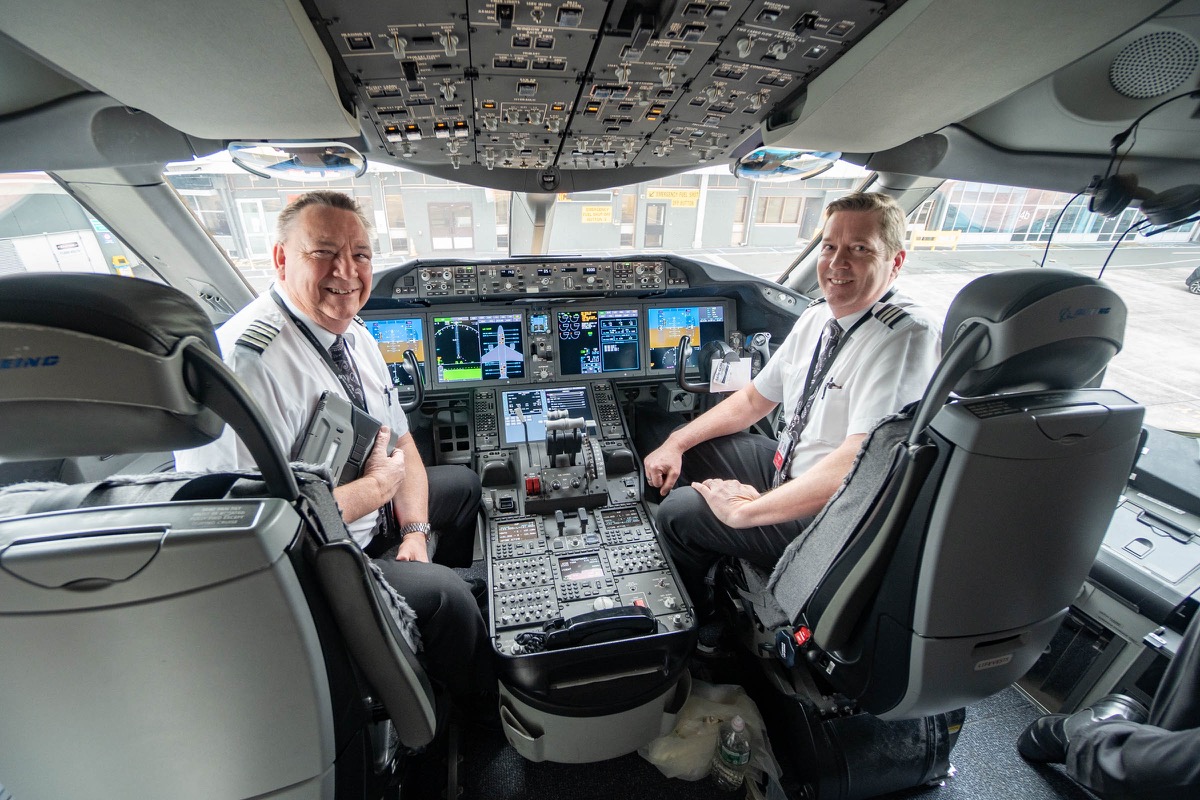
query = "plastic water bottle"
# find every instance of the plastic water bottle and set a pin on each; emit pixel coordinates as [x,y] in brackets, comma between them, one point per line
[732,758]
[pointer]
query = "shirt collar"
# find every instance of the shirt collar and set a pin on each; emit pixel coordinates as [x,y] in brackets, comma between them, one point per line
[850,320]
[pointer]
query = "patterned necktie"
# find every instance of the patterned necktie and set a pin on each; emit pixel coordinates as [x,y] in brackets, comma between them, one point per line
[345,371]
[385,518]
[833,335]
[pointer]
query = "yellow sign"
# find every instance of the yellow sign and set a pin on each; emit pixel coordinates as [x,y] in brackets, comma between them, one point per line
[680,198]
[120,261]
[595,215]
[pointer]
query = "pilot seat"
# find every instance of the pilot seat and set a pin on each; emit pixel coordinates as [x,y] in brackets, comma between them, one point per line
[169,635]
[939,571]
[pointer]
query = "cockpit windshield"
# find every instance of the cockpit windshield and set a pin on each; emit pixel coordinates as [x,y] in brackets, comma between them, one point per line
[707,214]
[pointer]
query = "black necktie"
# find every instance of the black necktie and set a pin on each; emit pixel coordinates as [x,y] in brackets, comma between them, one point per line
[833,335]
[346,372]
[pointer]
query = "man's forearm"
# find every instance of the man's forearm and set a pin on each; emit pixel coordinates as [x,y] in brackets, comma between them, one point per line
[411,502]
[735,413]
[805,495]
[358,498]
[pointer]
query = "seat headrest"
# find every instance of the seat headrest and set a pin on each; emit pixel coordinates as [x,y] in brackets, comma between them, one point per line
[1046,329]
[93,365]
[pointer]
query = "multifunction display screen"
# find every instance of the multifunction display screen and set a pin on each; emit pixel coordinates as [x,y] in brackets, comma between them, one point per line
[523,531]
[701,324]
[525,411]
[620,517]
[598,341]
[394,337]
[580,568]
[479,348]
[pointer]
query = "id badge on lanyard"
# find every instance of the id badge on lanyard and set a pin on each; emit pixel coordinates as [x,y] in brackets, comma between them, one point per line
[786,445]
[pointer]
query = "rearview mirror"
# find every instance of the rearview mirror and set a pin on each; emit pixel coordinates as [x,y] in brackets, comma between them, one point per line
[783,164]
[299,161]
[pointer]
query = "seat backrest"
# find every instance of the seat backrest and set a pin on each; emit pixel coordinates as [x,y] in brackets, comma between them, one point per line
[191,636]
[940,570]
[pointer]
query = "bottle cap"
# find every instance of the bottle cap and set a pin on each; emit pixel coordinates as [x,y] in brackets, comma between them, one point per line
[737,723]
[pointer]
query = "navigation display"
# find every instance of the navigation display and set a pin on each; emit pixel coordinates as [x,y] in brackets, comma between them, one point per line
[702,324]
[395,335]
[598,341]
[479,348]
[535,404]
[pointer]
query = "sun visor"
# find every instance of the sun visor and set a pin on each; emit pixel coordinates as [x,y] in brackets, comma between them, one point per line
[261,74]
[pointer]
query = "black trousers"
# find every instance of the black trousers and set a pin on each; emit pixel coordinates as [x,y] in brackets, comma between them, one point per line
[696,538]
[455,648]
[1159,760]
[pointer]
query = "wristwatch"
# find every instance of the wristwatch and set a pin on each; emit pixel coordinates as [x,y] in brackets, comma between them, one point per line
[415,527]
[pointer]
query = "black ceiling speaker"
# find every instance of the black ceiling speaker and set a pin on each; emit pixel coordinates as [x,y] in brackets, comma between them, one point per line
[1154,65]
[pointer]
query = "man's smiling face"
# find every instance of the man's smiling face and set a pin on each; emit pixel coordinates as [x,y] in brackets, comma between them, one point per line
[854,268]
[324,265]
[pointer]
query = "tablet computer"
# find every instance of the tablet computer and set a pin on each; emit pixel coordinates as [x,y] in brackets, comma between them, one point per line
[340,436]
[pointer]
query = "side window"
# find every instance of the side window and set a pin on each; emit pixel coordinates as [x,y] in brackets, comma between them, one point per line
[43,229]
[966,229]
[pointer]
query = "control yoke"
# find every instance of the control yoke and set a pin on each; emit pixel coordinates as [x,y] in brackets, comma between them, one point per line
[682,351]
[414,369]
[712,349]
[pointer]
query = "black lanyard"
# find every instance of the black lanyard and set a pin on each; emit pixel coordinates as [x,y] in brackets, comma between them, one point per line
[321,351]
[811,382]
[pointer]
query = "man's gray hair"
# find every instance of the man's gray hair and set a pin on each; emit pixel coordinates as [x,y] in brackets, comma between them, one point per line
[891,216]
[321,197]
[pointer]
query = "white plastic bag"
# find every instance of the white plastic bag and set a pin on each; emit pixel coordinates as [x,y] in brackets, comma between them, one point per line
[686,752]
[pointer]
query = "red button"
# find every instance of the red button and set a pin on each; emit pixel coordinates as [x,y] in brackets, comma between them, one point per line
[533,484]
[801,636]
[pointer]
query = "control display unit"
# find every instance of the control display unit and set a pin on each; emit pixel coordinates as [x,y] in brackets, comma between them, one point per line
[598,341]
[526,411]
[472,348]
[667,324]
[395,335]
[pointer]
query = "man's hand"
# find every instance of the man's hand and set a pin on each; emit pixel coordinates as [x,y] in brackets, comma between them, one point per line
[387,471]
[727,499]
[412,548]
[662,468]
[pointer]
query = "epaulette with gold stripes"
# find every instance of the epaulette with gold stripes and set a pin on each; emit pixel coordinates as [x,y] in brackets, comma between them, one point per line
[258,335]
[889,314]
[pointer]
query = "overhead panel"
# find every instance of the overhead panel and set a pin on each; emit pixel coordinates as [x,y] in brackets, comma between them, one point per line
[531,58]
[581,84]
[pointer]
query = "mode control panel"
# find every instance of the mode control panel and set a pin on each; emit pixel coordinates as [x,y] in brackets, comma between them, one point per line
[457,280]
[518,280]
[640,276]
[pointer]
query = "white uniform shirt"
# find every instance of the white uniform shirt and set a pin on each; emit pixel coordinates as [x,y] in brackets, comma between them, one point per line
[286,380]
[878,371]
